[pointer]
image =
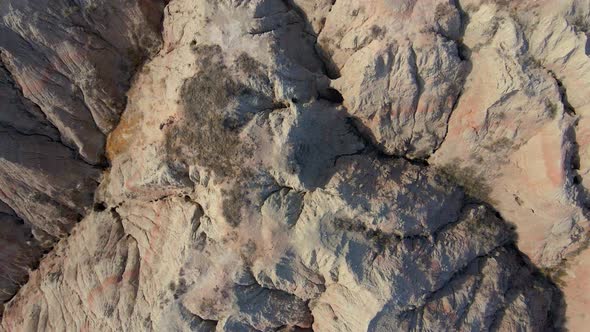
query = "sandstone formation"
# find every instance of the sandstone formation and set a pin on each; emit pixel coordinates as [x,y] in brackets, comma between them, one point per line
[294,165]
[64,73]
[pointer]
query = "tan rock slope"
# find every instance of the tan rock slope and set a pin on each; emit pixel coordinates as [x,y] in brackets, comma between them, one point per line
[65,68]
[294,165]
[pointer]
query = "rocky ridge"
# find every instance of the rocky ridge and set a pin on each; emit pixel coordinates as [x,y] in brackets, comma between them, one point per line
[64,73]
[288,165]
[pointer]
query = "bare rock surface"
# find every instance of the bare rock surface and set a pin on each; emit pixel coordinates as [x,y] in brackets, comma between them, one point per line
[65,67]
[400,70]
[19,249]
[295,165]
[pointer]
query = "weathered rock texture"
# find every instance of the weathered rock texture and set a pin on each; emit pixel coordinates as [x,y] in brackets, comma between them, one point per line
[296,165]
[65,67]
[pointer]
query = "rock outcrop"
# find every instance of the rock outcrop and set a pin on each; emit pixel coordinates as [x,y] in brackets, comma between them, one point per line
[294,165]
[65,67]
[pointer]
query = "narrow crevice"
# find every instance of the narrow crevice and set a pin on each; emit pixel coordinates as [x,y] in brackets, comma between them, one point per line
[279,188]
[556,313]
[81,98]
[115,214]
[412,61]
[356,153]
[75,155]
[256,284]
[262,32]
[328,67]
[146,59]
[568,108]
[357,128]
[274,14]
[99,207]
[471,297]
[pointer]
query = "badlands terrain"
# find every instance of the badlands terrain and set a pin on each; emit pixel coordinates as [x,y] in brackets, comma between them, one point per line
[294,165]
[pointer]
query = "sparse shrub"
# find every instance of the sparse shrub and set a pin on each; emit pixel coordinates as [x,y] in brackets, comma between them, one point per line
[109,309]
[380,239]
[339,35]
[443,10]
[200,242]
[552,108]
[581,24]
[556,274]
[248,251]
[208,305]
[55,276]
[500,145]
[147,324]
[494,26]
[477,158]
[209,133]
[248,65]
[91,7]
[467,177]
[518,200]
[232,207]
[181,289]
[350,225]
[531,61]
[70,10]
[377,32]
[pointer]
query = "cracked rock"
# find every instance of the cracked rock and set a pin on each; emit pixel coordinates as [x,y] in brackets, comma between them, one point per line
[269,165]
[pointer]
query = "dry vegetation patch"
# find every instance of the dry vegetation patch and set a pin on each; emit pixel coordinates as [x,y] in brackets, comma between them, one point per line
[209,133]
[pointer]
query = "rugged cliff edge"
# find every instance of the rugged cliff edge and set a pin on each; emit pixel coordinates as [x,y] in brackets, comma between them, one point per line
[65,68]
[268,165]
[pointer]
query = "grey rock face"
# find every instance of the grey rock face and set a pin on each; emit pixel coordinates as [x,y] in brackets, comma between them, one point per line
[44,182]
[19,250]
[65,67]
[75,59]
